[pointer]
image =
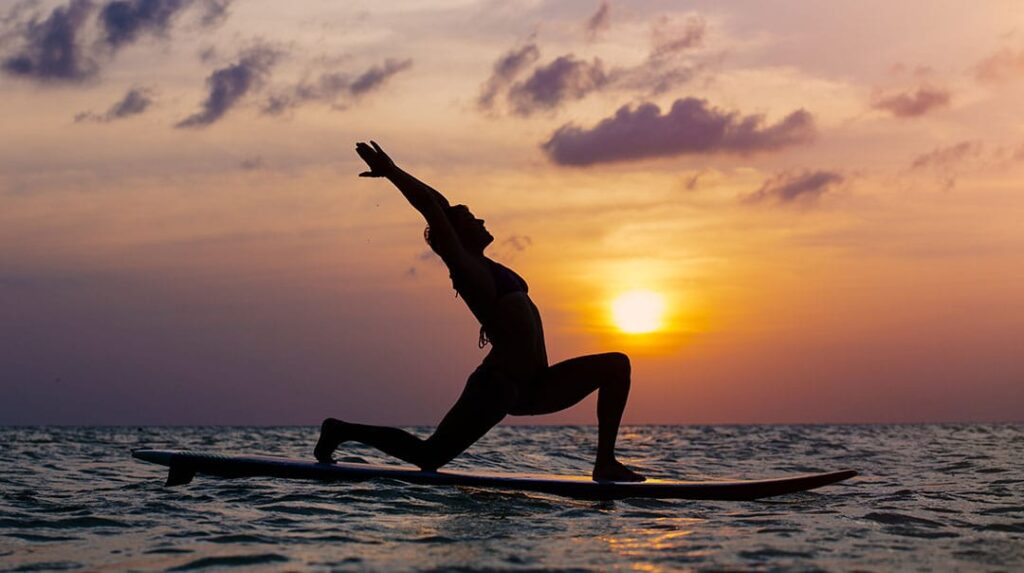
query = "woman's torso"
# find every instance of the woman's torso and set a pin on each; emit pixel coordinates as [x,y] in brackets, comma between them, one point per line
[510,323]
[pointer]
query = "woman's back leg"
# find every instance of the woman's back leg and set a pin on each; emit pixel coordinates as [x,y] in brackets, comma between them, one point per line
[480,407]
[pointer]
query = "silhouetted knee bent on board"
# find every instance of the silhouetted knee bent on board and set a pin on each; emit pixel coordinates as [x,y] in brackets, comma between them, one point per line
[514,378]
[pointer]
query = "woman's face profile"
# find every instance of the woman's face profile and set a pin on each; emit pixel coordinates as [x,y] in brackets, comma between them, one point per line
[471,230]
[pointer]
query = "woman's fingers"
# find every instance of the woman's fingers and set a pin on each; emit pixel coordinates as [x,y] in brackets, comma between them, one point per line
[367,155]
[374,157]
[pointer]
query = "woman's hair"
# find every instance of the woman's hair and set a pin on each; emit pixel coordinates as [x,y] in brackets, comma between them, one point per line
[448,212]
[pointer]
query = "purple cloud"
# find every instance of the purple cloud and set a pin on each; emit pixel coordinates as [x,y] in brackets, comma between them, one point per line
[134,102]
[790,186]
[327,87]
[912,103]
[1003,65]
[946,162]
[668,65]
[668,37]
[565,78]
[568,78]
[690,127]
[254,163]
[376,76]
[692,182]
[945,156]
[214,12]
[518,242]
[505,70]
[50,50]
[228,85]
[599,22]
[510,248]
[331,86]
[655,76]
[123,21]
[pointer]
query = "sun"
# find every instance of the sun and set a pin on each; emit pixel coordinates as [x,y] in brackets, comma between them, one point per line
[638,311]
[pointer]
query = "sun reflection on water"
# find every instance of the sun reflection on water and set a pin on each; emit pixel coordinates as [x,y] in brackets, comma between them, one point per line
[666,534]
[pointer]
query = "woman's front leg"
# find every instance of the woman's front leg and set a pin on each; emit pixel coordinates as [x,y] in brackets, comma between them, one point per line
[567,383]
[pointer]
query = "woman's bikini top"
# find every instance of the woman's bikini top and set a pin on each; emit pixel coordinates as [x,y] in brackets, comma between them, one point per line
[506,281]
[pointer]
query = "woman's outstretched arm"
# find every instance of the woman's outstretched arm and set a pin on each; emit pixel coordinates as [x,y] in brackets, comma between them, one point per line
[424,198]
[418,193]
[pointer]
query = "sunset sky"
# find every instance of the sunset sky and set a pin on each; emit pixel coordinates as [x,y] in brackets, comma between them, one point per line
[828,197]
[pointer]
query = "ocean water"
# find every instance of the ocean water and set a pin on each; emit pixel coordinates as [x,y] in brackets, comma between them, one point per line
[929,498]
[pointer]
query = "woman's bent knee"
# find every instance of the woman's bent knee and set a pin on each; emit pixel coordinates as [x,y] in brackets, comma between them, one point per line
[619,365]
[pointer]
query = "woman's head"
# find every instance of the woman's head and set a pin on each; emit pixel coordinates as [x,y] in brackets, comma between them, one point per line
[470,230]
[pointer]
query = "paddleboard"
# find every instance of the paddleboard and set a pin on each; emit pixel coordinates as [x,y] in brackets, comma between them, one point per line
[184,465]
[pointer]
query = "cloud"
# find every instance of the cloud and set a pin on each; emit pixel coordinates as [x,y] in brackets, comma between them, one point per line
[669,63]
[945,156]
[669,37]
[51,50]
[123,21]
[14,17]
[505,70]
[599,22]
[228,85]
[509,248]
[135,101]
[376,76]
[916,71]
[790,186]
[655,76]
[331,86]
[565,78]
[568,78]
[1003,65]
[518,242]
[1018,154]
[692,182]
[946,162]
[912,103]
[254,163]
[690,127]
[214,12]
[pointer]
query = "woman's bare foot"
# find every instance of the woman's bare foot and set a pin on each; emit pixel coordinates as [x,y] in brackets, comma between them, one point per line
[331,435]
[613,470]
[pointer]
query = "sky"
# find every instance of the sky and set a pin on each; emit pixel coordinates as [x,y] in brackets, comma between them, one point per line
[828,197]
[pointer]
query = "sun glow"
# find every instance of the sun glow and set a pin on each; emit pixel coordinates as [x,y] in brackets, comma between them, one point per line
[638,311]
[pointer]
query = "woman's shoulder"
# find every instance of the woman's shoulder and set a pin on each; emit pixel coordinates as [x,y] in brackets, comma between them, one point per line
[471,275]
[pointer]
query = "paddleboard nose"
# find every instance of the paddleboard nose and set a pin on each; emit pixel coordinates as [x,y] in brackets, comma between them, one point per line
[162,457]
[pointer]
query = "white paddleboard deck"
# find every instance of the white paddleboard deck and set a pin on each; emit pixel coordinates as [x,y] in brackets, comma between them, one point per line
[184,465]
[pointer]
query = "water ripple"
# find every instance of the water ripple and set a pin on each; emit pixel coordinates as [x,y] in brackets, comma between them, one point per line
[930,497]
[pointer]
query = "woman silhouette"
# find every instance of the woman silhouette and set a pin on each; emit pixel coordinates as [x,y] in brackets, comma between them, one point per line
[514,377]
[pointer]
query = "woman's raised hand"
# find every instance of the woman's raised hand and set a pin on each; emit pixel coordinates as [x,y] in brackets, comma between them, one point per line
[379,163]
